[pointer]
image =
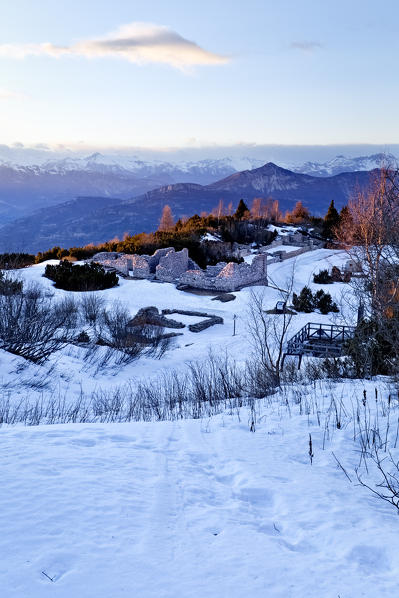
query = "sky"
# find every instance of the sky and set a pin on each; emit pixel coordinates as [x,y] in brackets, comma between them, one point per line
[184,73]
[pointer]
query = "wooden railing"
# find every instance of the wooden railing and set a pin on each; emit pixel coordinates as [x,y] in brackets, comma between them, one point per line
[319,339]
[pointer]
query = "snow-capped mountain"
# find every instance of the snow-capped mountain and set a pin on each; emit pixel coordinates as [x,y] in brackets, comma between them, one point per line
[204,171]
[341,164]
[201,171]
[26,187]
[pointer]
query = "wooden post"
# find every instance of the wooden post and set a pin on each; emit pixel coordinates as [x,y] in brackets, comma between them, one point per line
[234,324]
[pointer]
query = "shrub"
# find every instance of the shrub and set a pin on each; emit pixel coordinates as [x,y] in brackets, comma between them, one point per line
[32,326]
[336,274]
[304,302]
[12,261]
[308,302]
[323,301]
[322,277]
[83,337]
[8,286]
[88,277]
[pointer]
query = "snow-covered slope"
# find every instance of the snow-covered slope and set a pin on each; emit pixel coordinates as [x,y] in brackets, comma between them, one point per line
[69,373]
[196,508]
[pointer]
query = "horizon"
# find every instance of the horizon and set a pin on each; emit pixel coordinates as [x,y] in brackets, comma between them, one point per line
[40,153]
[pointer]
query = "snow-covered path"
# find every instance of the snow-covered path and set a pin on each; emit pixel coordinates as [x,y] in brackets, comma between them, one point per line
[188,509]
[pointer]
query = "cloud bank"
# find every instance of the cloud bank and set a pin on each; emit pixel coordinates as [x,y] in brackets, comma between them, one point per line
[139,43]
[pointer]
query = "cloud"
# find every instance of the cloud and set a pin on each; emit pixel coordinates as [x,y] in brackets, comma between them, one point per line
[306,46]
[139,43]
[8,94]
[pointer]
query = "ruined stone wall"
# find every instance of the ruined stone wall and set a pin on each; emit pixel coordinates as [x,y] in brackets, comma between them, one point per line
[215,270]
[172,265]
[168,265]
[231,277]
[296,252]
[153,260]
[139,266]
[119,261]
[195,278]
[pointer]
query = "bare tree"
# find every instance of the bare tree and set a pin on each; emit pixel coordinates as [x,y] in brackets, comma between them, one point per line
[219,211]
[370,233]
[275,214]
[268,333]
[167,222]
[373,235]
[256,208]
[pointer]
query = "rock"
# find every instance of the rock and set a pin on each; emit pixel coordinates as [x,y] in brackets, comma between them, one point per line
[224,298]
[150,316]
[200,326]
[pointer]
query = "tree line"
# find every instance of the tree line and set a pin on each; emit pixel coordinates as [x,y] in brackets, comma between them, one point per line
[242,225]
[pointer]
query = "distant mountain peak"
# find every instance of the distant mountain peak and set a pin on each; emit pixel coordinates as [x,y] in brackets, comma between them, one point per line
[95,156]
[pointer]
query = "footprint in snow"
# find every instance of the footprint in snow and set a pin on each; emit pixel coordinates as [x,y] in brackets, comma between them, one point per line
[122,439]
[83,442]
[256,496]
[301,546]
[369,559]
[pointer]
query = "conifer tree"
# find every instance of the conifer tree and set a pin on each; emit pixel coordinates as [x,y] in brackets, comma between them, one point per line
[241,211]
[331,221]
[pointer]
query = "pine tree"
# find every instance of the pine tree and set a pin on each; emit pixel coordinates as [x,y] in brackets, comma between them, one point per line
[241,211]
[167,222]
[331,222]
[304,301]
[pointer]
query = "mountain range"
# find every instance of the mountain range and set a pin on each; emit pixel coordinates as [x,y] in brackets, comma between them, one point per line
[26,186]
[95,219]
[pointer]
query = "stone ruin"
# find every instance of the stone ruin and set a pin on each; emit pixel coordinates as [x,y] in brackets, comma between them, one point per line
[168,265]
[227,277]
[165,265]
[150,319]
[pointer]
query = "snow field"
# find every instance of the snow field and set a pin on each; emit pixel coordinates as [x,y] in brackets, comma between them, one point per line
[193,509]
